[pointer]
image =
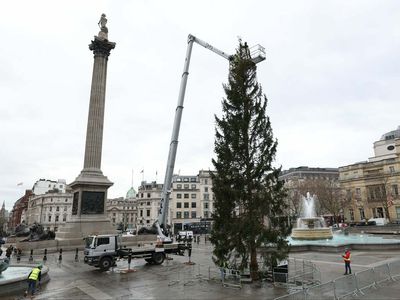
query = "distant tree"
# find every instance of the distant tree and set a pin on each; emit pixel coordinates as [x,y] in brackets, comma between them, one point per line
[249,207]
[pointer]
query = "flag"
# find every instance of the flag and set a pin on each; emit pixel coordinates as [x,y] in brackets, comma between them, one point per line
[21,183]
[389,201]
[142,171]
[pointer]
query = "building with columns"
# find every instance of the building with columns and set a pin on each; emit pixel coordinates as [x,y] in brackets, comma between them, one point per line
[372,187]
[123,210]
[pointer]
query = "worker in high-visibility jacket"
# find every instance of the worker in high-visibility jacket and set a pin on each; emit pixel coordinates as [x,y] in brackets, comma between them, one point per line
[34,277]
[346,258]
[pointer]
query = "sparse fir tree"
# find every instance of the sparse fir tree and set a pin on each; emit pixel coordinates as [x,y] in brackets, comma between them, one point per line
[249,199]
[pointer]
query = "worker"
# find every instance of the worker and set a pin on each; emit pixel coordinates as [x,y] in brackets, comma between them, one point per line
[9,251]
[346,258]
[34,277]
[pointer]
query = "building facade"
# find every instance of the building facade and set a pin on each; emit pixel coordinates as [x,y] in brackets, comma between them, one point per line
[192,202]
[372,187]
[123,210]
[51,209]
[17,214]
[148,203]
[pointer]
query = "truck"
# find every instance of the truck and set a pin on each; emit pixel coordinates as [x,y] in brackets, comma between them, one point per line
[102,251]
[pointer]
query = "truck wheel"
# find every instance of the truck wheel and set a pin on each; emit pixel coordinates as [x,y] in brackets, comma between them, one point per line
[105,263]
[158,258]
[149,261]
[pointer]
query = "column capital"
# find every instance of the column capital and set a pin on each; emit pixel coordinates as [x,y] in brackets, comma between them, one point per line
[101,46]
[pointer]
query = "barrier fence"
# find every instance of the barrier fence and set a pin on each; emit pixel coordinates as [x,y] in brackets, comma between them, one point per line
[349,285]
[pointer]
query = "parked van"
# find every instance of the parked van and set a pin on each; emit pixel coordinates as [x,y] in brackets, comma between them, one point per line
[378,221]
[185,234]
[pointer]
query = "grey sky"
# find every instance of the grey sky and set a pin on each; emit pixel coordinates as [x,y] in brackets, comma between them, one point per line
[331,77]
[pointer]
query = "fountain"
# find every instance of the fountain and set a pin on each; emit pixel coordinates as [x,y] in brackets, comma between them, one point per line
[309,226]
[13,278]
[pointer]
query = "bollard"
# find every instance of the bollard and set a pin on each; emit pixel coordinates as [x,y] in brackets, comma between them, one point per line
[76,254]
[19,255]
[60,257]
[45,255]
[31,256]
[129,261]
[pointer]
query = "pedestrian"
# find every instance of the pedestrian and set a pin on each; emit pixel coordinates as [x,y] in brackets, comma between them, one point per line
[34,277]
[346,258]
[9,251]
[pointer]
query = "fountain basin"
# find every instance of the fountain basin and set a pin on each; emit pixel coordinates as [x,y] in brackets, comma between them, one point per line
[14,279]
[312,233]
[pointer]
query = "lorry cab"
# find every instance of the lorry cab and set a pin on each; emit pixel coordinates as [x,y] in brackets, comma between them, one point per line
[100,250]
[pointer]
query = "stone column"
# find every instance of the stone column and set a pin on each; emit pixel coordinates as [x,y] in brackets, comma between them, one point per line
[94,134]
[89,189]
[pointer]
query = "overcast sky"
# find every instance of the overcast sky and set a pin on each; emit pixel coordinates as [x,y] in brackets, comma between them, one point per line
[331,76]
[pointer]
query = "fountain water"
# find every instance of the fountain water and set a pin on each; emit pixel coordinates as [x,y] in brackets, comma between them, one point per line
[309,226]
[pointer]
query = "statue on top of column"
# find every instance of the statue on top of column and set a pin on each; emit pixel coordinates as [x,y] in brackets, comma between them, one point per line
[103,28]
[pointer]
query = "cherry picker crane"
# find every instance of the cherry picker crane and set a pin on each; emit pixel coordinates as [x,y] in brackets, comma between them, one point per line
[257,54]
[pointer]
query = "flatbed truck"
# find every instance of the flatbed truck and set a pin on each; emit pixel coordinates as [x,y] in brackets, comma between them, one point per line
[102,251]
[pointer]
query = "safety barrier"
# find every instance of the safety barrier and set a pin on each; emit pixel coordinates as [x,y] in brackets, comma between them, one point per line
[382,273]
[345,286]
[322,291]
[365,279]
[349,285]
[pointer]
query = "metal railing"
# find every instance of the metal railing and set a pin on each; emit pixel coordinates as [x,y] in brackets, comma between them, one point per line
[349,285]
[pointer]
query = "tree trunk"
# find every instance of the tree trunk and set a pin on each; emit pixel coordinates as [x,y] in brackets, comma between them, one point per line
[253,263]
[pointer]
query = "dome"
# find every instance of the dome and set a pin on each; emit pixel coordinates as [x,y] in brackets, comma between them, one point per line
[131,194]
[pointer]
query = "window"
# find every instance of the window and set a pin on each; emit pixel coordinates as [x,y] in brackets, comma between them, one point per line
[186,204]
[395,190]
[65,208]
[186,186]
[57,208]
[206,181]
[57,217]
[193,204]
[205,205]
[206,214]
[113,214]
[194,186]
[148,195]
[50,218]
[398,212]
[179,196]
[179,186]
[66,200]
[391,169]
[178,204]
[186,196]
[351,213]
[55,229]
[64,218]
[362,213]
[193,179]
[148,203]
[179,179]
[193,214]
[50,208]
[141,195]
[206,196]
[113,220]
[179,215]
[141,212]
[193,196]
[102,241]
[147,221]
[186,179]
[206,189]
[148,213]
[358,192]
[186,214]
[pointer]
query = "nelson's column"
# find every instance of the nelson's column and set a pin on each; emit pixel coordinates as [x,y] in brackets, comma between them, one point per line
[90,187]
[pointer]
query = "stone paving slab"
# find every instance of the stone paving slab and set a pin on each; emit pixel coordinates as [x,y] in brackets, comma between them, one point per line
[175,280]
